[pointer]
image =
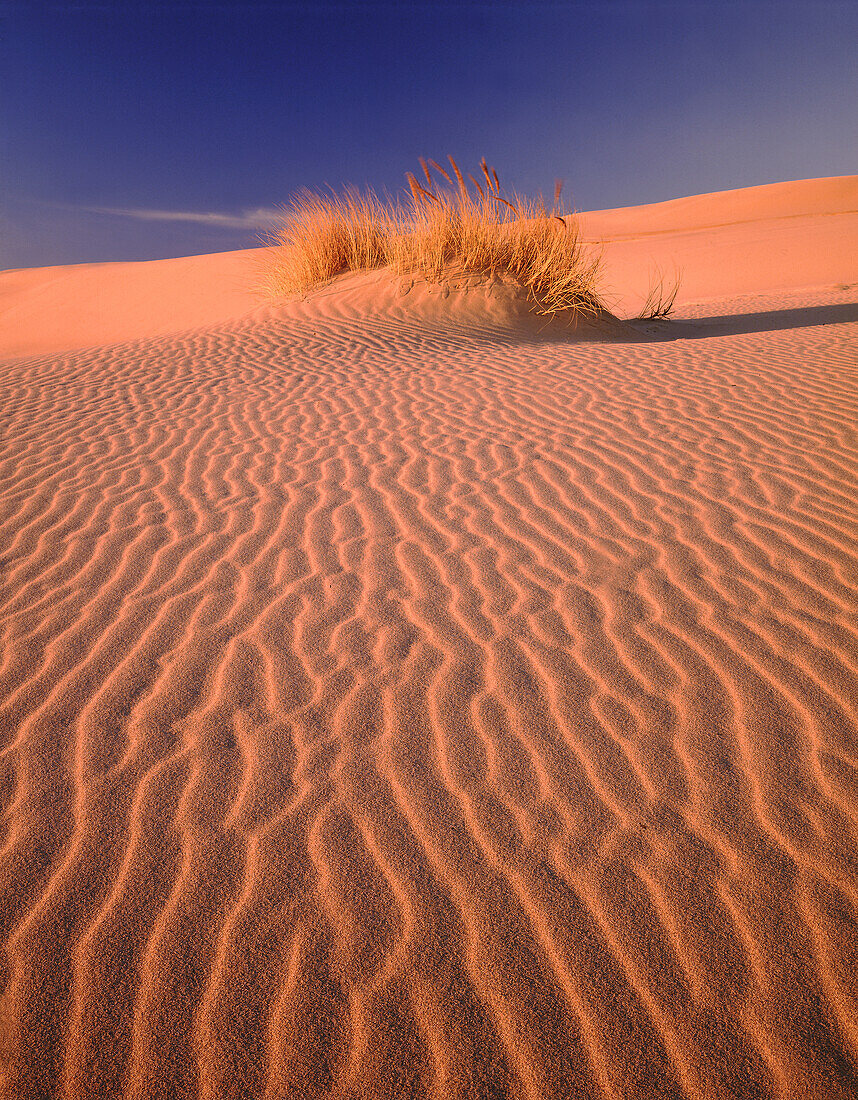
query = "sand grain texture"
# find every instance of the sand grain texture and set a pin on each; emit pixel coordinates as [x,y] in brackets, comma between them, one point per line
[398,700]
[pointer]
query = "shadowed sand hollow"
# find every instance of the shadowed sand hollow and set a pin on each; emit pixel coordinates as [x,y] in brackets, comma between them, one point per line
[400,699]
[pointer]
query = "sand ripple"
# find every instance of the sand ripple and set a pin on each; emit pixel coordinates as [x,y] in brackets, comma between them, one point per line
[396,711]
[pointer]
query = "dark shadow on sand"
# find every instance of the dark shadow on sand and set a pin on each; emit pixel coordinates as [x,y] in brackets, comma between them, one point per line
[702,328]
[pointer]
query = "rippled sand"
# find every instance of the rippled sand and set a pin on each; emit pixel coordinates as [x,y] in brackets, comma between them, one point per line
[397,700]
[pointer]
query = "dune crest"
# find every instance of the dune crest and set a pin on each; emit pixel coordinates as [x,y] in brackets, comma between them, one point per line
[395,701]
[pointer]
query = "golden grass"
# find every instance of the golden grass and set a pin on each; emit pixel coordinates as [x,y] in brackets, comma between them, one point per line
[325,235]
[444,227]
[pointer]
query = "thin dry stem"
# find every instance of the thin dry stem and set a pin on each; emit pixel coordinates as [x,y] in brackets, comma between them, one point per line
[477,185]
[439,169]
[661,298]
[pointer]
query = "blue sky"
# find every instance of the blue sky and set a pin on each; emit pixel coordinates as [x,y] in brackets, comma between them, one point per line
[140,130]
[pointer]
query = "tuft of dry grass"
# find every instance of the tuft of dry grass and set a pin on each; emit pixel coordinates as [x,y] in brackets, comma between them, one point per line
[325,235]
[660,299]
[442,227]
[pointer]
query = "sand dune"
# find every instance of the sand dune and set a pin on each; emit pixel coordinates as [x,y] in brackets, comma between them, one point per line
[398,699]
[50,309]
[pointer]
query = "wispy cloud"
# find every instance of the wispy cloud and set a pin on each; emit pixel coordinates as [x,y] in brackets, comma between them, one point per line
[260,218]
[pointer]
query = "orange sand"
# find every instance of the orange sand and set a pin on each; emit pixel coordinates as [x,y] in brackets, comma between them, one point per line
[399,699]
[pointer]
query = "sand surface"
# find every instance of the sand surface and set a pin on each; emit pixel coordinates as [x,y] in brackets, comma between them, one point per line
[398,699]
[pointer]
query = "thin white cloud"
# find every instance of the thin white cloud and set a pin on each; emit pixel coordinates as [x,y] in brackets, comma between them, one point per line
[261,218]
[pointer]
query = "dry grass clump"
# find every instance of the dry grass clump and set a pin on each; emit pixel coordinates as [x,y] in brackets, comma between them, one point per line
[444,226]
[323,236]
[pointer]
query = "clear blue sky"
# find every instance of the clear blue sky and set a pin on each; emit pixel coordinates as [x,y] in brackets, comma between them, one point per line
[140,130]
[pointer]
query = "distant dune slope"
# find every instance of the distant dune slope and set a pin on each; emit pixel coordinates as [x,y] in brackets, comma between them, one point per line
[54,309]
[399,700]
[757,239]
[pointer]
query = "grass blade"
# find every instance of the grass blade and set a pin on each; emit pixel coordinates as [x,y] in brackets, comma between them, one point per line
[438,168]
